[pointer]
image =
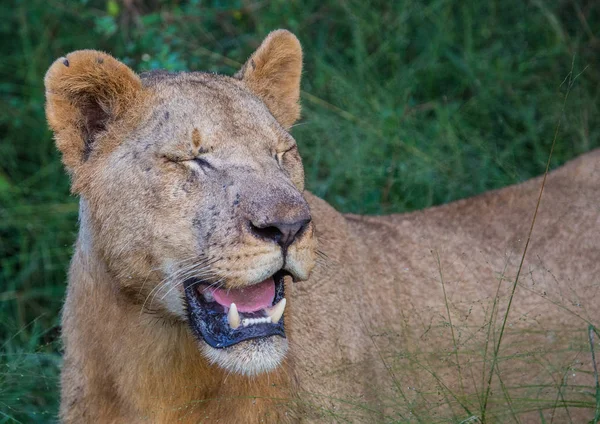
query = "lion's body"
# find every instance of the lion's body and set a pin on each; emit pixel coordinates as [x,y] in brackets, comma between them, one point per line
[346,329]
[393,318]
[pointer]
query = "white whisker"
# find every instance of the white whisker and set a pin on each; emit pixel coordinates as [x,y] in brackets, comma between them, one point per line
[174,276]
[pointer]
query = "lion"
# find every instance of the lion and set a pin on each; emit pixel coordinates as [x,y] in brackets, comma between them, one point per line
[208,285]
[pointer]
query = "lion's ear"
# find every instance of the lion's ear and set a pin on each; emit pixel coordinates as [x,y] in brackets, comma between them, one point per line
[273,73]
[86,91]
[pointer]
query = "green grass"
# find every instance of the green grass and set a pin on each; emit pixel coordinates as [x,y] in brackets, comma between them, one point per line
[406,105]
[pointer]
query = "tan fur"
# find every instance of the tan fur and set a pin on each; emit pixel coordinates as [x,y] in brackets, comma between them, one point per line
[392,320]
[273,72]
[84,89]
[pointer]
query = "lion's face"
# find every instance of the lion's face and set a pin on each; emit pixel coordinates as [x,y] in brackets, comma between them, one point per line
[192,194]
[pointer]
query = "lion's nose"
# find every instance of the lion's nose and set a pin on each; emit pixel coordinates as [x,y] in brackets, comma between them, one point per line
[283,233]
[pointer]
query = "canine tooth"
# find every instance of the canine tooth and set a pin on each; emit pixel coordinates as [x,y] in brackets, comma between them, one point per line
[233,317]
[276,311]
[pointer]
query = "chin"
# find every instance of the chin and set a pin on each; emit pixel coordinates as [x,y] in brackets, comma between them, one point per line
[249,358]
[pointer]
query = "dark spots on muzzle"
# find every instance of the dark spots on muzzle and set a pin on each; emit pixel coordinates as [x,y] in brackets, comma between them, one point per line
[197,223]
[190,182]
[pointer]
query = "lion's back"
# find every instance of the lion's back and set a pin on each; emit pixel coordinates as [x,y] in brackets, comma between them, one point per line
[427,293]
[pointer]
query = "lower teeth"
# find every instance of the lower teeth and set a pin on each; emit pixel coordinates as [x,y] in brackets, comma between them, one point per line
[251,321]
[274,314]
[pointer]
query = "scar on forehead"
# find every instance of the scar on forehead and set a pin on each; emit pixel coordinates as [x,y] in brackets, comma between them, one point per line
[196,139]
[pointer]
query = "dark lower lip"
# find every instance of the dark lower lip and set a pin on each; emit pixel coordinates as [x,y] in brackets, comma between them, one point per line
[210,324]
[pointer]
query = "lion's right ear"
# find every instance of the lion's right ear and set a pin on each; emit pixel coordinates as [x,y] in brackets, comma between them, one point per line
[86,91]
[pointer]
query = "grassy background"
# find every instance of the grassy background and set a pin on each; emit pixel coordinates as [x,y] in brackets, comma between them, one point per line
[406,104]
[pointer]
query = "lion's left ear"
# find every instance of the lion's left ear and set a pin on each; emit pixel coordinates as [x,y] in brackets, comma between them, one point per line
[273,73]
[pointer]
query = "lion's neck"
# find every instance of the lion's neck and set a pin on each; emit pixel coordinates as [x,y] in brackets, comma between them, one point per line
[136,365]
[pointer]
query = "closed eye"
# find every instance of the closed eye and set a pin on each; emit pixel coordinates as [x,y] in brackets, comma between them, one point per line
[203,163]
[280,155]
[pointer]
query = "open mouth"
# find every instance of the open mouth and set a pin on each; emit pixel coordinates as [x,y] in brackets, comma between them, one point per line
[225,317]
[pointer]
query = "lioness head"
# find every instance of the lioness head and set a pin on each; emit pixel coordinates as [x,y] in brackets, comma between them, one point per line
[191,191]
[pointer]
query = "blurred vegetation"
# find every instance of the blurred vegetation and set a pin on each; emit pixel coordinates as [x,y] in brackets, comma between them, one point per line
[407,104]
